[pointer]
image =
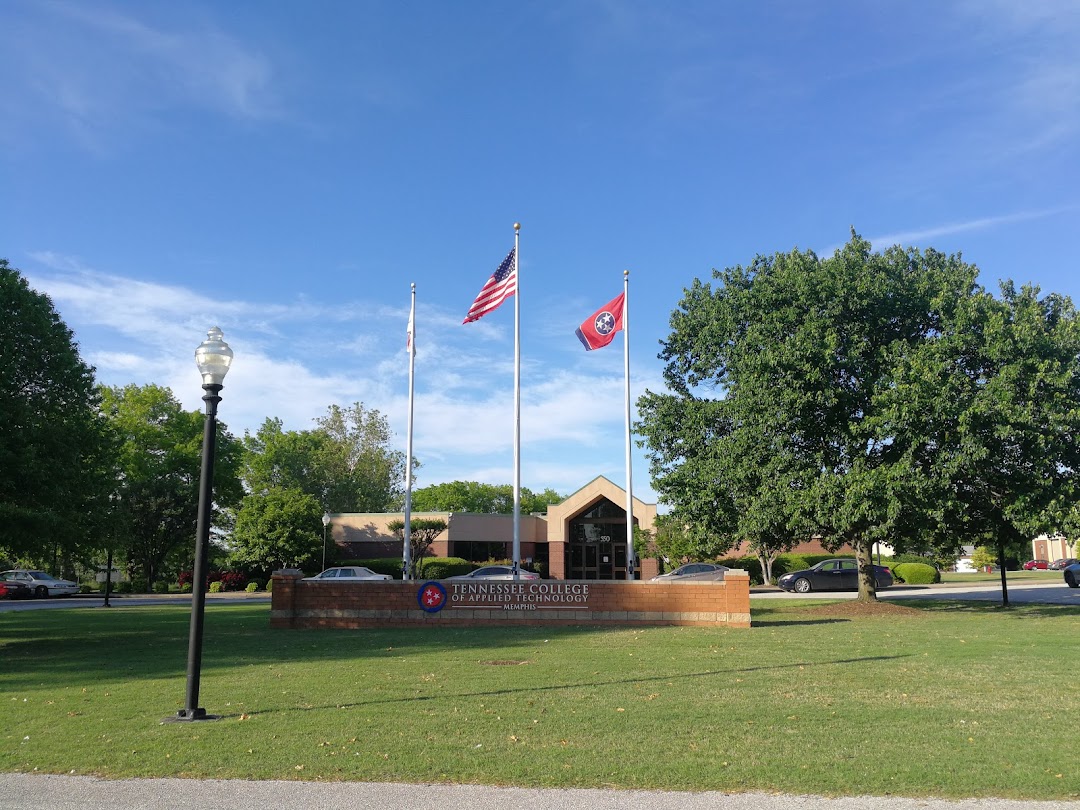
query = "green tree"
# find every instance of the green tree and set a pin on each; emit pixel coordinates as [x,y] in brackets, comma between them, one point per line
[422,533]
[983,557]
[160,458]
[774,426]
[990,411]
[365,474]
[473,496]
[346,462]
[55,456]
[280,528]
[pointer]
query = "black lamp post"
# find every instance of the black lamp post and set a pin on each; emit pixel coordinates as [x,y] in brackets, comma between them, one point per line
[213,358]
[325,523]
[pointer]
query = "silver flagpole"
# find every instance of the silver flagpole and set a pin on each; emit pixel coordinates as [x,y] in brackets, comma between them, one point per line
[517,403]
[630,561]
[406,546]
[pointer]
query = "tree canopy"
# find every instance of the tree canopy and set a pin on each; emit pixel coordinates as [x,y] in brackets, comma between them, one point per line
[160,457]
[346,462]
[280,528]
[55,465]
[859,398]
[473,496]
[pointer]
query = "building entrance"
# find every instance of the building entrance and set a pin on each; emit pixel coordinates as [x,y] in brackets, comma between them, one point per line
[596,547]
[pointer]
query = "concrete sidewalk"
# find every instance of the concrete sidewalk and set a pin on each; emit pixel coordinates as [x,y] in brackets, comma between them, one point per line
[79,792]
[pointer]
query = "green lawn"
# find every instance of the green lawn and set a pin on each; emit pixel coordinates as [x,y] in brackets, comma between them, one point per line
[1010,576]
[936,700]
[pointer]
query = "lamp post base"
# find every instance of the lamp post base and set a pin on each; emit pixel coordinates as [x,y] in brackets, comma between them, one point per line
[191,715]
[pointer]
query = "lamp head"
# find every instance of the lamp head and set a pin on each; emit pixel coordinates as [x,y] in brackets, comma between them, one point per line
[325,519]
[213,357]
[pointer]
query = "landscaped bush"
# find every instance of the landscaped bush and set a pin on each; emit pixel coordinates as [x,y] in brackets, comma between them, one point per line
[444,567]
[160,587]
[216,587]
[915,573]
[232,580]
[122,587]
[252,586]
[185,588]
[269,585]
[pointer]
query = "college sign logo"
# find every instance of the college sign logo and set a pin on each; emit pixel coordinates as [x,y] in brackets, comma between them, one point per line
[432,597]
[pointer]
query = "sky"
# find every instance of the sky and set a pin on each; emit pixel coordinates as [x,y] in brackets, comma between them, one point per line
[286,170]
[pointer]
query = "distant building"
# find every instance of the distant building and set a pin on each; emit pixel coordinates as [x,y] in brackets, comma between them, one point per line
[584,537]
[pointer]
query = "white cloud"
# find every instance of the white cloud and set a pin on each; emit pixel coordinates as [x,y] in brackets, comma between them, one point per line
[103,72]
[916,237]
[141,332]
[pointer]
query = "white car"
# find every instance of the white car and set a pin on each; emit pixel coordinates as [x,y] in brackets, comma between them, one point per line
[42,584]
[694,572]
[504,572]
[348,573]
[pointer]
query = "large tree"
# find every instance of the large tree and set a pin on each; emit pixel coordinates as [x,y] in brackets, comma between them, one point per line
[990,409]
[54,454]
[774,424]
[473,496]
[157,492]
[346,461]
[281,528]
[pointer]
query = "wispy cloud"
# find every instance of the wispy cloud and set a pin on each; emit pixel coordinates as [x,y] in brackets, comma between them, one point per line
[916,237]
[101,71]
[141,332]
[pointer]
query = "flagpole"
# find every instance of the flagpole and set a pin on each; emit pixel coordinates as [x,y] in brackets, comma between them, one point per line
[630,561]
[517,403]
[406,546]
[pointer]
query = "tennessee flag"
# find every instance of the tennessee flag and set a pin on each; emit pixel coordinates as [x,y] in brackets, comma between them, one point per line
[598,330]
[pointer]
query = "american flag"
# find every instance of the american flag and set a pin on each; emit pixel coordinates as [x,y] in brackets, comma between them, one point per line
[498,288]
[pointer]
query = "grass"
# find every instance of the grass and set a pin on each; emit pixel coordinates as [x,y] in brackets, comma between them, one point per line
[940,700]
[1010,576]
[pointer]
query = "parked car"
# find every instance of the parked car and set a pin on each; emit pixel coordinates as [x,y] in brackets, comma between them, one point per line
[832,575]
[1032,565]
[693,572]
[1061,565]
[10,589]
[348,573]
[497,572]
[41,583]
[1072,575]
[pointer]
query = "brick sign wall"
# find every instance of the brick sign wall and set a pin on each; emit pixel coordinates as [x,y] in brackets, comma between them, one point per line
[348,605]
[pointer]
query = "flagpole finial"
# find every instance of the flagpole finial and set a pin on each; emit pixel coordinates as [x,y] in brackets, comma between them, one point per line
[625,273]
[413,285]
[517,226]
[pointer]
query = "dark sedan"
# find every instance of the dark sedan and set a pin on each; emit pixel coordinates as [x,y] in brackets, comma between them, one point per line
[832,575]
[1072,575]
[9,589]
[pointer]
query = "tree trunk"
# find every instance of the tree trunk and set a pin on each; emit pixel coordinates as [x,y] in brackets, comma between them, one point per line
[867,581]
[766,568]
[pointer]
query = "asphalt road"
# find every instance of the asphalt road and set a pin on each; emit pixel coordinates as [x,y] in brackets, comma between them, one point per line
[77,792]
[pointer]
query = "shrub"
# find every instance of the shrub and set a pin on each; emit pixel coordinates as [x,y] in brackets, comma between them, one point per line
[269,585]
[232,580]
[444,567]
[123,587]
[160,587]
[915,573]
[216,587]
[185,588]
[252,587]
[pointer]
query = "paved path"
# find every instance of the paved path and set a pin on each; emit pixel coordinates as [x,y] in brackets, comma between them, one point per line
[77,793]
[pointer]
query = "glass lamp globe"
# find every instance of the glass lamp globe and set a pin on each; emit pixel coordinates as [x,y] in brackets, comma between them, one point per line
[213,357]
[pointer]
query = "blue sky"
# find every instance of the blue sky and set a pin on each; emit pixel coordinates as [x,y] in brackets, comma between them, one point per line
[285,170]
